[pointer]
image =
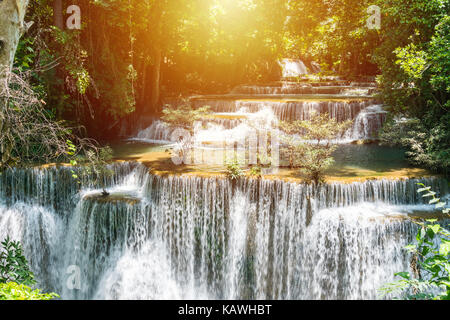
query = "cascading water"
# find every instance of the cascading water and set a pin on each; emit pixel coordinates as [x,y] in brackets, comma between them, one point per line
[368,120]
[293,68]
[158,132]
[174,237]
[290,110]
[289,100]
[291,89]
[367,124]
[188,237]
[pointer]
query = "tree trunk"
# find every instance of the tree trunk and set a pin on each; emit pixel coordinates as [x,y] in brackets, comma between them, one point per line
[155,82]
[58,14]
[157,52]
[12,26]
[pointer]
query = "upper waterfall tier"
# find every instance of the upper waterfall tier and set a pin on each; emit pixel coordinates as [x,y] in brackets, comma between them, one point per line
[298,88]
[341,99]
[291,109]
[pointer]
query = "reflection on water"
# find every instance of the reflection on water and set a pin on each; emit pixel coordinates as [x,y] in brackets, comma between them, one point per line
[370,157]
[126,149]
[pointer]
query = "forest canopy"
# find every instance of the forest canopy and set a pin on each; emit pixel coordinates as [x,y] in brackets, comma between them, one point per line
[128,54]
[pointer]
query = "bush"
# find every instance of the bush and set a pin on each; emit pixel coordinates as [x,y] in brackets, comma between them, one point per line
[29,133]
[255,171]
[184,115]
[16,276]
[234,170]
[425,147]
[15,291]
[13,265]
[312,153]
[430,260]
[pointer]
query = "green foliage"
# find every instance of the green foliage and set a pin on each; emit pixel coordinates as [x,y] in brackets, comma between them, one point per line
[439,56]
[312,154]
[333,33]
[13,264]
[16,278]
[414,60]
[427,147]
[255,171]
[183,116]
[431,259]
[74,59]
[233,169]
[15,291]
[93,166]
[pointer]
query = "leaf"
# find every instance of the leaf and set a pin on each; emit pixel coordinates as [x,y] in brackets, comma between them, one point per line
[433,200]
[404,275]
[436,228]
[423,189]
[444,249]
[429,194]
[420,234]
[440,205]
[425,251]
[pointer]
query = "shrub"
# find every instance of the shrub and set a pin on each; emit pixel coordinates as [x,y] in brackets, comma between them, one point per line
[16,276]
[255,171]
[311,150]
[234,170]
[15,291]
[430,260]
[13,265]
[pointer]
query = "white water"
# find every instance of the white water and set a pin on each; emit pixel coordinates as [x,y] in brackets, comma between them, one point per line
[367,121]
[293,68]
[195,238]
[367,124]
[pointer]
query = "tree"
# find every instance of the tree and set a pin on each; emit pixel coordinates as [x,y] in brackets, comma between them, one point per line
[12,27]
[308,144]
[58,14]
[425,147]
[184,115]
[414,82]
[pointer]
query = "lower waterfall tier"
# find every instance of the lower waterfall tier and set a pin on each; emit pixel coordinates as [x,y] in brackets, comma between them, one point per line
[181,237]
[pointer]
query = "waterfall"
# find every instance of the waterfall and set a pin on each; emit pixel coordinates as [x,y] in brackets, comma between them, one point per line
[301,88]
[186,237]
[367,124]
[291,110]
[237,244]
[158,132]
[293,68]
[368,119]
